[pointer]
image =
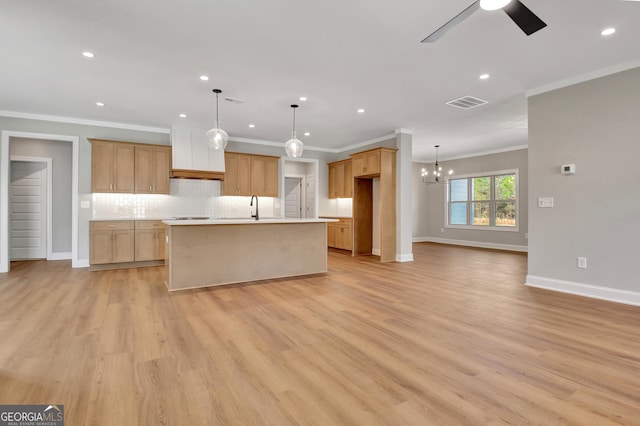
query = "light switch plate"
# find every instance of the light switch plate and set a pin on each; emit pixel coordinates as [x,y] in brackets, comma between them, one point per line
[545,202]
[84,204]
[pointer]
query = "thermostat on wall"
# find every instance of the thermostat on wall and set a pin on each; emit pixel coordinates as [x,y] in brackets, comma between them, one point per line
[568,169]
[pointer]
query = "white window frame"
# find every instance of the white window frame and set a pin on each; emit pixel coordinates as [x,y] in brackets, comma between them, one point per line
[483,227]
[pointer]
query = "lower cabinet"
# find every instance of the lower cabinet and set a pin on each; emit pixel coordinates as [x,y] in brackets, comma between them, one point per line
[126,241]
[340,234]
[149,240]
[111,242]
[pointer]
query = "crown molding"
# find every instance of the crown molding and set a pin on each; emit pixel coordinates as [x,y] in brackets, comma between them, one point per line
[476,154]
[584,77]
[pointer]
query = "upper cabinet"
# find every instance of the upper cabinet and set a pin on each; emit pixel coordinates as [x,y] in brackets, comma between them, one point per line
[366,163]
[237,180]
[112,166]
[128,168]
[152,169]
[192,157]
[248,174]
[340,179]
[264,176]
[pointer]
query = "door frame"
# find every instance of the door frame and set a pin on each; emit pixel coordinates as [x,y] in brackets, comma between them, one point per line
[4,191]
[49,171]
[316,177]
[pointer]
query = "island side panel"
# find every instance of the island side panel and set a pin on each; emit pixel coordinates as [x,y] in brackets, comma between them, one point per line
[209,255]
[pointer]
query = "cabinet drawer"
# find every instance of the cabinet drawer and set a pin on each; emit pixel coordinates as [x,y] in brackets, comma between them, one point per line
[149,224]
[116,225]
[344,221]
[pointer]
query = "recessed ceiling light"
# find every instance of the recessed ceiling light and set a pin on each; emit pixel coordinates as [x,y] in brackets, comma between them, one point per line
[608,31]
[204,78]
[252,125]
[88,54]
[303,98]
[100,104]
[361,111]
[183,116]
[484,76]
[307,134]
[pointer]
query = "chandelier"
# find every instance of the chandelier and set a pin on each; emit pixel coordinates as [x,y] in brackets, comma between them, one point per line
[433,178]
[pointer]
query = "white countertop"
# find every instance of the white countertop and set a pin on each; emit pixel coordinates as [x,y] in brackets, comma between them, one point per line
[245,221]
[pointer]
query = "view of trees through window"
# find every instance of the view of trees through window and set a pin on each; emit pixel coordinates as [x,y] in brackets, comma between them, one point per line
[483,200]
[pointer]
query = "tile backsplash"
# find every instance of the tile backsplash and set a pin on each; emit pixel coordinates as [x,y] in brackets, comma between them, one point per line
[188,197]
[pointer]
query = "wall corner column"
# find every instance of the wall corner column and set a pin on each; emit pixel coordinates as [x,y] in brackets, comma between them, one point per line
[404,223]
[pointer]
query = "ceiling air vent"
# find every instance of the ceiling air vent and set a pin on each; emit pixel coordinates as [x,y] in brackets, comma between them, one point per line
[467,102]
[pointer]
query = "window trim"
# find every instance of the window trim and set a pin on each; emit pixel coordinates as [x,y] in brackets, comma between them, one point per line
[492,201]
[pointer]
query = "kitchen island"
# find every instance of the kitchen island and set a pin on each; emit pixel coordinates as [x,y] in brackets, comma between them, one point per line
[203,253]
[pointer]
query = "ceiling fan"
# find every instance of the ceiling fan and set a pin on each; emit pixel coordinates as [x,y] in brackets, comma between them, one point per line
[517,11]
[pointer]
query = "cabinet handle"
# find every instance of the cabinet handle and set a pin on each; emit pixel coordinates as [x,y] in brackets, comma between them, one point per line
[112,226]
[110,187]
[149,188]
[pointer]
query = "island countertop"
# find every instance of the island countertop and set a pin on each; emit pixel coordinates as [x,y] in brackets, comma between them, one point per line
[247,221]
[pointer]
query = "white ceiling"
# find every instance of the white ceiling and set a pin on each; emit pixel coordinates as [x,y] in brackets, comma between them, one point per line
[341,54]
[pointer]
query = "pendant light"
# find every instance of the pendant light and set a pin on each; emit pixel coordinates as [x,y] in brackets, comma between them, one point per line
[437,172]
[294,146]
[217,138]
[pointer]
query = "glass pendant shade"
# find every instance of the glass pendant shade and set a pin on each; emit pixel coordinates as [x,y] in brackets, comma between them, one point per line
[217,138]
[493,4]
[294,146]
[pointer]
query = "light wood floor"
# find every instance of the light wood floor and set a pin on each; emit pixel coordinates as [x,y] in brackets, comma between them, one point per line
[454,338]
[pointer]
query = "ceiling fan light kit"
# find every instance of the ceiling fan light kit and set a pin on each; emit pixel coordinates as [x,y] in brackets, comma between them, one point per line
[524,18]
[493,4]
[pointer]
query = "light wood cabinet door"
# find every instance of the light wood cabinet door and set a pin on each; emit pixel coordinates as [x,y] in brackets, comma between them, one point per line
[112,167]
[145,245]
[348,179]
[161,170]
[160,244]
[331,234]
[152,170]
[123,246]
[101,247]
[237,179]
[101,167]
[366,163]
[271,177]
[258,173]
[123,168]
[340,179]
[333,191]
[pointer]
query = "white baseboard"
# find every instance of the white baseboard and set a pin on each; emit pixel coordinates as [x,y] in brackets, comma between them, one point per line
[587,290]
[495,246]
[408,257]
[81,263]
[375,252]
[60,256]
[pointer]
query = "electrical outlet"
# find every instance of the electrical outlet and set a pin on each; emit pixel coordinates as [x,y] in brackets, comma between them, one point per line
[526,236]
[582,262]
[441,229]
[84,204]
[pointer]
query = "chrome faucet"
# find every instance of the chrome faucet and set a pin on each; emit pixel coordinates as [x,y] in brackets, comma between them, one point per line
[257,215]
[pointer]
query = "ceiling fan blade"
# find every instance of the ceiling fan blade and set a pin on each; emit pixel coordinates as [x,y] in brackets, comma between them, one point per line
[523,17]
[452,23]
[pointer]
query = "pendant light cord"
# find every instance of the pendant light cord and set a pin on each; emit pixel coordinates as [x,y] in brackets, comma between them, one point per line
[217,120]
[294,121]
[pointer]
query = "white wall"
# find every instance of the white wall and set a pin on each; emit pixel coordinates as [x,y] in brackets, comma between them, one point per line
[429,203]
[596,213]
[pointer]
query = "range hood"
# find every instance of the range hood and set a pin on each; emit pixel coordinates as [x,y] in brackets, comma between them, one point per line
[191,156]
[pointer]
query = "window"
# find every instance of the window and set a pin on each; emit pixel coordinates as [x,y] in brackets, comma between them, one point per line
[483,201]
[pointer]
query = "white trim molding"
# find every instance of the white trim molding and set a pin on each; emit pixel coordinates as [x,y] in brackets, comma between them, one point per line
[587,290]
[59,255]
[81,263]
[404,257]
[5,138]
[478,244]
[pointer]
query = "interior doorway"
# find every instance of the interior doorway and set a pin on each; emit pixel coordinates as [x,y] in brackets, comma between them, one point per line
[28,210]
[293,195]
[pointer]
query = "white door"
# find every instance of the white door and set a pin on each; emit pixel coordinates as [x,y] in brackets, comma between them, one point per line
[292,204]
[28,210]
